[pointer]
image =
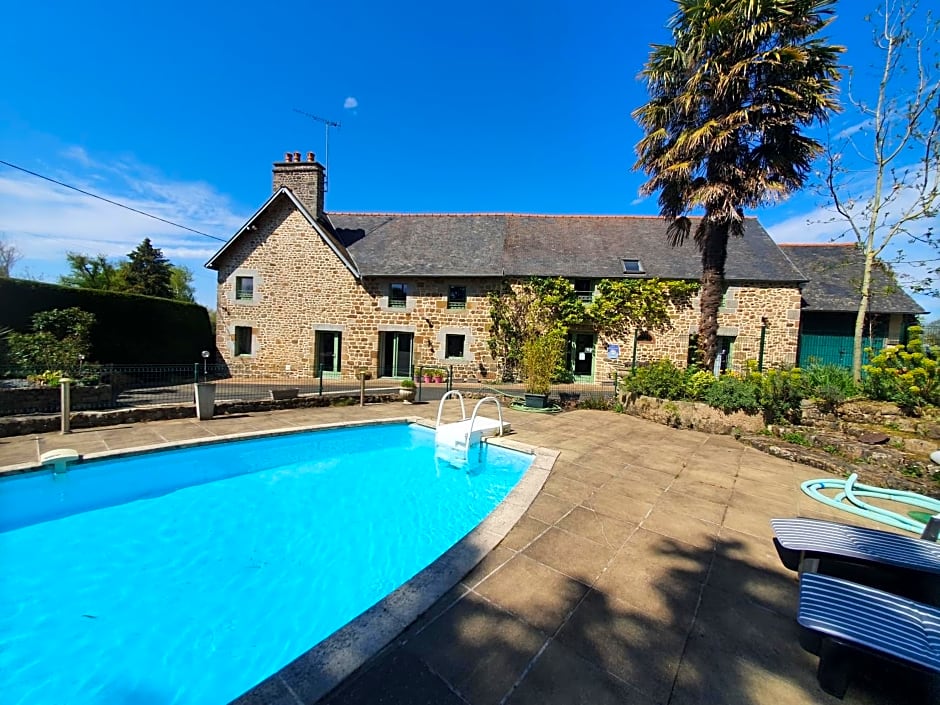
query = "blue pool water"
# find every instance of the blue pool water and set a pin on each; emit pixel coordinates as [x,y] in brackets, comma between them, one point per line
[188,576]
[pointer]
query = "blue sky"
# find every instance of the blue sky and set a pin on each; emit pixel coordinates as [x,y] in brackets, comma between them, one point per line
[179,109]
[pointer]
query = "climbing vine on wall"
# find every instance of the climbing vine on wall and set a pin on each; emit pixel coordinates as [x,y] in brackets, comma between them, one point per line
[541,305]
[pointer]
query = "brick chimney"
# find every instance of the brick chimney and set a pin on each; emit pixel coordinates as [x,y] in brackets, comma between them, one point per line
[304,178]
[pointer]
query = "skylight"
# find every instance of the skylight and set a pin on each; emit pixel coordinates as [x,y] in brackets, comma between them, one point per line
[632,266]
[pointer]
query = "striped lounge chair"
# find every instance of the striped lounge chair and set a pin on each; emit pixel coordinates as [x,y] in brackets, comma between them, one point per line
[899,564]
[837,616]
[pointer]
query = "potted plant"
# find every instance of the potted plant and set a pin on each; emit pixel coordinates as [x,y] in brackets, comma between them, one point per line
[406,390]
[438,375]
[540,356]
[428,374]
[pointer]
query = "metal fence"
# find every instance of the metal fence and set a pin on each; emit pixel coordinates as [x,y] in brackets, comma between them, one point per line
[127,386]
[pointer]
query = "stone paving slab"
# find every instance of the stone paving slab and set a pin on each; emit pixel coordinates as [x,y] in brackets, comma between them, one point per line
[642,573]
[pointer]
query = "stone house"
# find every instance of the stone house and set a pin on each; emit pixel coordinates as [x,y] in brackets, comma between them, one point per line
[830,303]
[300,289]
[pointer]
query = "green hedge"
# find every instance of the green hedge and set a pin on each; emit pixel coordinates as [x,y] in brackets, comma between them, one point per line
[129,329]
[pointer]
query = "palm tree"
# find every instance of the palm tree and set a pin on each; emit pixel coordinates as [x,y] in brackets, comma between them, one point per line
[727,101]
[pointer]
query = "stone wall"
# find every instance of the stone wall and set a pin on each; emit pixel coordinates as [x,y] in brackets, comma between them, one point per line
[23,400]
[301,285]
[745,307]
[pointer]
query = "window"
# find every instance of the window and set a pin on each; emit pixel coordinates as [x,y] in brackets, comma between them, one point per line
[457,297]
[398,295]
[244,288]
[583,289]
[453,346]
[632,266]
[242,340]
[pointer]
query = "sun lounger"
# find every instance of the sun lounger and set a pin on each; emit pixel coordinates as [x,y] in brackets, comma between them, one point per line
[898,564]
[837,616]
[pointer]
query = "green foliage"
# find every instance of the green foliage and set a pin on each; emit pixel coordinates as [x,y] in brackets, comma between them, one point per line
[129,329]
[88,272]
[796,438]
[721,136]
[830,384]
[697,383]
[779,393]
[532,308]
[731,393]
[407,383]
[59,339]
[540,357]
[49,378]
[622,305]
[908,375]
[147,271]
[598,403]
[661,379]
[181,284]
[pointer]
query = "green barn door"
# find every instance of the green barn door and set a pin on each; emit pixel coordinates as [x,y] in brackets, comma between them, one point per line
[397,354]
[832,349]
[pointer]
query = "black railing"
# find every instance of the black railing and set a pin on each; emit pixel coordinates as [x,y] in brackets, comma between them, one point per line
[128,386]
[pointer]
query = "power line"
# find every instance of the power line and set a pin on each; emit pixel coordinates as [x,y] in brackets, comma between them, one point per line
[113,203]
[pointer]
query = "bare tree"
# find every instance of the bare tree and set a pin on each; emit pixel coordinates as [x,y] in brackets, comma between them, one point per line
[9,256]
[896,140]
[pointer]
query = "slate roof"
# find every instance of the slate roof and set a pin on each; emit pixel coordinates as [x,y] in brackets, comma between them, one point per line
[396,244]
[835,278]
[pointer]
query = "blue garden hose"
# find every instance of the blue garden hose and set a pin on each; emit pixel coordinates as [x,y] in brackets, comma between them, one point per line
[853,492]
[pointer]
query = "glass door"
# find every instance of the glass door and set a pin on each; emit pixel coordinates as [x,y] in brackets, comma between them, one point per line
[329,351]
[581,356]
[397,354]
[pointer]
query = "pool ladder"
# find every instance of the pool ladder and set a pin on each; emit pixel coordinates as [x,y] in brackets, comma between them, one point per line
[461,435]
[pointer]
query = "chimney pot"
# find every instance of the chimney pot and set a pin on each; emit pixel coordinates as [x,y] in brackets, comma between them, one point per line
[288,156]
[310,156]
[297,157]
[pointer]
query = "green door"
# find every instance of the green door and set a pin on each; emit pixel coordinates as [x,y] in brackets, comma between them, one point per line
[581,356]
[329,352]
[833,349]
[396,354]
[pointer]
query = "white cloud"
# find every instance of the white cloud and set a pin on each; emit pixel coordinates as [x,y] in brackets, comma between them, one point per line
[44,220]
[638,200]
[350,103]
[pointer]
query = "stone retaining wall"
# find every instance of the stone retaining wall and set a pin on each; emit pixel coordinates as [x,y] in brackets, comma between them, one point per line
[23,425]
[692,415]
[21,400]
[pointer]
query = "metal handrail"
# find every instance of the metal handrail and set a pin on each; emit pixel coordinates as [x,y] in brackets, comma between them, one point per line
[499,412]
[440,406]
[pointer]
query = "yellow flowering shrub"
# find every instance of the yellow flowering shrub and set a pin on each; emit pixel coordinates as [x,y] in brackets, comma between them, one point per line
[905,374]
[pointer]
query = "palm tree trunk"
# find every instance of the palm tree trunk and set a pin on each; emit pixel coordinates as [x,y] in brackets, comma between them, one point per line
[714,253]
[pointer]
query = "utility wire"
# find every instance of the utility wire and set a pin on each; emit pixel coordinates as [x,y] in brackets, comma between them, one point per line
[108,200]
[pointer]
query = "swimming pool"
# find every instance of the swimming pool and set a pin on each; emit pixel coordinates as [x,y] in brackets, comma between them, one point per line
[188,576]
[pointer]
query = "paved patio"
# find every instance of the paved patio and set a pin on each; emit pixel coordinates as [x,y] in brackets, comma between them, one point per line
[643,573]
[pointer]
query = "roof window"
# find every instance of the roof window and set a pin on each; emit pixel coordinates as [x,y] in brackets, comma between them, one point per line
[632,266]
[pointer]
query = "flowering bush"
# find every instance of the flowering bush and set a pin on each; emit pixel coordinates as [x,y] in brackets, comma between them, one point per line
[908,375]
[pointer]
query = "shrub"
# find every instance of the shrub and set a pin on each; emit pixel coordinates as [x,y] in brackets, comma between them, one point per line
[540,358]
[908,375]
[407,383]
[730,393]
[661,379]
[698,382]
[830,384]
[779,393]
[59,341]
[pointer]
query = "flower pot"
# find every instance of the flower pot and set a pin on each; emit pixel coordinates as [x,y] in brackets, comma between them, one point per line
[536,401]
[406,394]
[205,400]
[438,379]
[428,379]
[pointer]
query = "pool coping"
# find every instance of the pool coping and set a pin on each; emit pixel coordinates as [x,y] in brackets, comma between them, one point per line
[316,672]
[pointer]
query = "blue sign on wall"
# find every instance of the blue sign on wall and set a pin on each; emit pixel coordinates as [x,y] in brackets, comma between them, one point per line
[613,352]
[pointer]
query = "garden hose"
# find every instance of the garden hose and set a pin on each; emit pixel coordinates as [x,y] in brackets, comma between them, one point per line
[849,499]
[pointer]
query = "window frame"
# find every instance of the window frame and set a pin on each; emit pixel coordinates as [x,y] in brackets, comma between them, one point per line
[453,303]
[239,292]
[236,340]
[629,263]
[394,301]
[463,346]
[584,295]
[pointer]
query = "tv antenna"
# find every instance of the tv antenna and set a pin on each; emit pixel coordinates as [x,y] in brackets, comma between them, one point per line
[327,124]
